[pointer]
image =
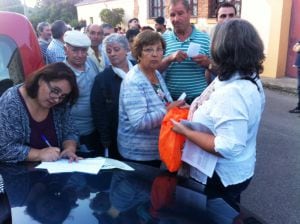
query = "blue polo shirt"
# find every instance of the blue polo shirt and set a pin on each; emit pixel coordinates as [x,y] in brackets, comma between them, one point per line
[186,76]
[81,110]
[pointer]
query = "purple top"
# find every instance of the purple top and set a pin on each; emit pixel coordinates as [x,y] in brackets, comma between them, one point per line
[43,128]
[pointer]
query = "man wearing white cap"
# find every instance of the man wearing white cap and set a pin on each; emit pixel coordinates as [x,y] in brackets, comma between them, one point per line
[76,47]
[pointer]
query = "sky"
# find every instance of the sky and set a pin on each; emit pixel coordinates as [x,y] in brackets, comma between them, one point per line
[30,3]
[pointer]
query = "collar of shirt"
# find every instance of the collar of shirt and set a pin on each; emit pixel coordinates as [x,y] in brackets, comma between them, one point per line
[190,38]
[219,83]
[235,76]
[76,71]
[92,52]
[120,72]
[44,41]
[58,42]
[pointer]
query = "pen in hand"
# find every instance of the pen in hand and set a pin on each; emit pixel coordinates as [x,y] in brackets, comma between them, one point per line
[46,140]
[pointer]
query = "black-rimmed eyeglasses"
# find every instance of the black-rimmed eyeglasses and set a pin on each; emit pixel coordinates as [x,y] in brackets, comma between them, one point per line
[56,93]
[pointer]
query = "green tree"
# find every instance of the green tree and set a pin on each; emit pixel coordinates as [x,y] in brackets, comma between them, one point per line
[11,6]
[51,10]
[113,17]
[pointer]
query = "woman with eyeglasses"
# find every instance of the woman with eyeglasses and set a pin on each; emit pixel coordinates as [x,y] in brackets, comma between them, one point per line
[144,100]
[34,117]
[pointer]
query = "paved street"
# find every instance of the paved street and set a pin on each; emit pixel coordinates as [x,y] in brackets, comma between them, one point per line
[274,192]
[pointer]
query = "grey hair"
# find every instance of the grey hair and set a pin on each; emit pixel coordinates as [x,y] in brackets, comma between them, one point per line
[40,27]
[116,38]
[185,3]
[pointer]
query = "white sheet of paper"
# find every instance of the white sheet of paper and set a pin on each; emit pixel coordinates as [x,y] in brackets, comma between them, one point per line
[182,96]
[198,175]
[89,165]
[196,156]
[193,49]
[112,163]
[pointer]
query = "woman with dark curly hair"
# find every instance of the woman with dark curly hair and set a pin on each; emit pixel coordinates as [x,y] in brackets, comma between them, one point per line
[231,108]
[34,117]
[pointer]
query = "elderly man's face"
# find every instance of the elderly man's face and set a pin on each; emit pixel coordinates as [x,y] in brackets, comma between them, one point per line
[95,33]
[180,17]
[76,56]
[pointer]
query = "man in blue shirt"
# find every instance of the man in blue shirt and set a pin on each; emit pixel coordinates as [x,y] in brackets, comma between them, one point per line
[185,73]
[44,33]
[76,47]
[55,51]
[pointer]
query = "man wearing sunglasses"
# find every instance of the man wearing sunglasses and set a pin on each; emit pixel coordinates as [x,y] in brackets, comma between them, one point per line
[76,48]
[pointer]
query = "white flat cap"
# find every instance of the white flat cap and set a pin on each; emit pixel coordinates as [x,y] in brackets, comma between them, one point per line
[77,39]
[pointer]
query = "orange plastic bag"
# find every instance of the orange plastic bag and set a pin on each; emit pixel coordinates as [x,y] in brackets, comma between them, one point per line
[170,143]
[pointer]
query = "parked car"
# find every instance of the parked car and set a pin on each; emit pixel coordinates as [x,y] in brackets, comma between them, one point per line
[143,195]
[20,52]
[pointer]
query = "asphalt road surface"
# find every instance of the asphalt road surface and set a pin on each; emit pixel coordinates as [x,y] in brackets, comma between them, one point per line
[274,193]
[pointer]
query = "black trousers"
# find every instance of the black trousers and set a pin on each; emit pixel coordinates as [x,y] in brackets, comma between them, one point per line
[93,145]
[154,163]
[215,188]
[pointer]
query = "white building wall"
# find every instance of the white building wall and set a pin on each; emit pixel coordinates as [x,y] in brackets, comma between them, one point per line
[143,12]
[262,19]
[85,12]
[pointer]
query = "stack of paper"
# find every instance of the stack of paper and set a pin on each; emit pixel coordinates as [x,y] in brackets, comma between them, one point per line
[204,163]
[89,165]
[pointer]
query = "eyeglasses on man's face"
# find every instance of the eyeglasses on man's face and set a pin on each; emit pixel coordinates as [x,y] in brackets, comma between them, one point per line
[56,93]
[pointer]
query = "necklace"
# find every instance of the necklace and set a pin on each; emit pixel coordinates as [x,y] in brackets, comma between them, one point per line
[160,93]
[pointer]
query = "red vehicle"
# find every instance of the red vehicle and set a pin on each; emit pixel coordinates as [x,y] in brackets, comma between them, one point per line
[19,49]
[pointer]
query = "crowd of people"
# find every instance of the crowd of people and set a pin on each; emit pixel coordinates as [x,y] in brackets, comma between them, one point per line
[103,93]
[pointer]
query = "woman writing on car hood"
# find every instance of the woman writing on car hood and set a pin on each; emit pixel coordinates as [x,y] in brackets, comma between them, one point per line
[34,117]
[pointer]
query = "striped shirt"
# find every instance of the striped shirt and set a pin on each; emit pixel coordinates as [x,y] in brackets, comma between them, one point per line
[186,76]
[55,52]
[43,45]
